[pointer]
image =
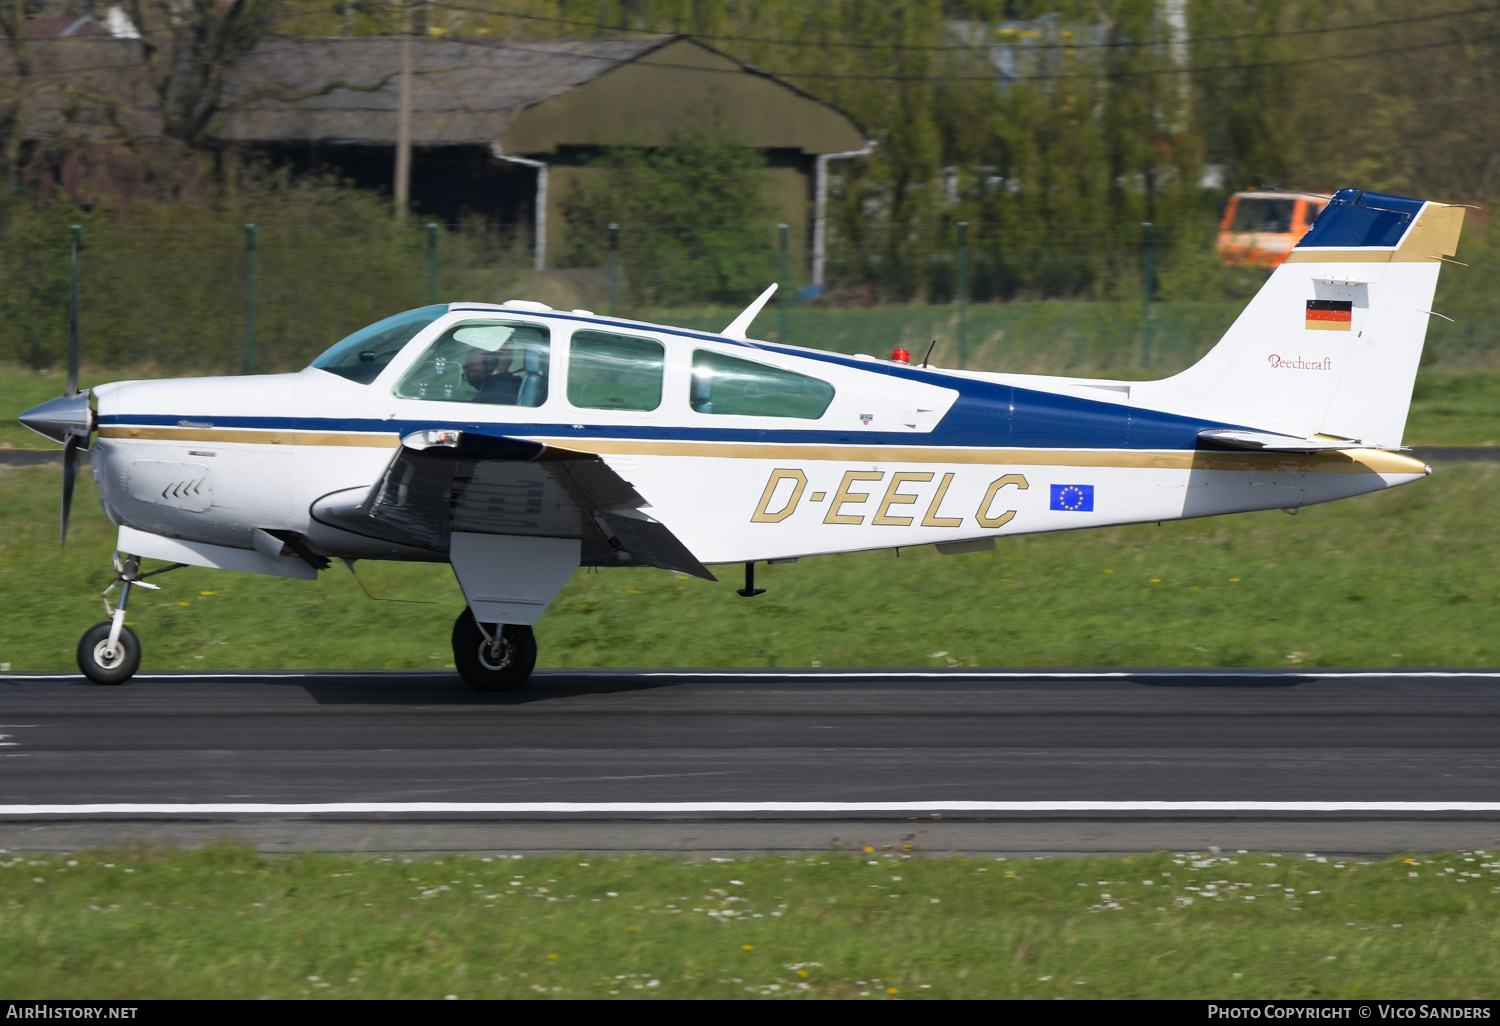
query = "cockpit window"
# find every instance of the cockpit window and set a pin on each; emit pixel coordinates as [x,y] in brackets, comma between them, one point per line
[614,372]
[363,355]
[503,363]
[727,384]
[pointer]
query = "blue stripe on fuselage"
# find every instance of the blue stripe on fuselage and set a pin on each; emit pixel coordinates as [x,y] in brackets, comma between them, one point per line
[985,415]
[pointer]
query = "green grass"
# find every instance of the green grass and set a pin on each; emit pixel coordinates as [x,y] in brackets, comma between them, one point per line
[1409,577]
[1455,409]
[223,922]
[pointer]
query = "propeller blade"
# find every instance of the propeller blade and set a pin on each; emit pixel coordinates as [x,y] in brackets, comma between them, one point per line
[70,473]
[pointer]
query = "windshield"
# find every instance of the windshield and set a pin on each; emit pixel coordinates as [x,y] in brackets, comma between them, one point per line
[363,355]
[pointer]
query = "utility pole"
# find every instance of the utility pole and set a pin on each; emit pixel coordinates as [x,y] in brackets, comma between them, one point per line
[1148,276]
[403,119]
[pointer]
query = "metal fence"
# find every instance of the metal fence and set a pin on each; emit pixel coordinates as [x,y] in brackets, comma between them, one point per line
[233,298]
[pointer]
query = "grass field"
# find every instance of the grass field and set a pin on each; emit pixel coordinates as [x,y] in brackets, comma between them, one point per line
[224,923]
[1409,577]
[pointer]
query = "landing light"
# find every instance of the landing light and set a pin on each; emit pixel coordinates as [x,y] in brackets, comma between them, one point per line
[432,438]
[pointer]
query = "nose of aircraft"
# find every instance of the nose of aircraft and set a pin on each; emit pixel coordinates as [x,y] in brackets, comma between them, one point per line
[61,417]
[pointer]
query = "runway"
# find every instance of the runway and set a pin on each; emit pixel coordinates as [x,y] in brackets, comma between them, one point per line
[1050,761]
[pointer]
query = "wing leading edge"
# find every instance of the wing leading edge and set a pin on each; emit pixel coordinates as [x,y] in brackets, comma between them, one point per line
[442,480]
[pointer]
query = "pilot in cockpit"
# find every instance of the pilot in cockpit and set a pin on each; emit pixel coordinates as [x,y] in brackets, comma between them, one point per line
[512,373]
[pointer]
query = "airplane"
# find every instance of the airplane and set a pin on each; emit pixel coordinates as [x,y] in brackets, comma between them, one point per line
[517,442]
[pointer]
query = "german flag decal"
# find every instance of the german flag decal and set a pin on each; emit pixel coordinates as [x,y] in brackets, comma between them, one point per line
[1329,314]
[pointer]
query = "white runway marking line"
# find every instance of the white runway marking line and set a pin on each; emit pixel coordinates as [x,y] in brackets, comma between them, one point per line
[838,674]
[296,808]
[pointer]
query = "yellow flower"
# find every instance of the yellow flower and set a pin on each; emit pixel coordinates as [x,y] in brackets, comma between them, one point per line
[747,947]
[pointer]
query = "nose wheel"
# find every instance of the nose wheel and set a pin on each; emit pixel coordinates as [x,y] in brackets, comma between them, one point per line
[109,652]
[106,661]
[499,657]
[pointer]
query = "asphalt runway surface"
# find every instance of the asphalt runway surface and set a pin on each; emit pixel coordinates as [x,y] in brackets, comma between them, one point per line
[1015,760]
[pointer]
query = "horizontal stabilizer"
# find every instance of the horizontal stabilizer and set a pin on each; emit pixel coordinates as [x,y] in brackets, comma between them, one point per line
[1265,441]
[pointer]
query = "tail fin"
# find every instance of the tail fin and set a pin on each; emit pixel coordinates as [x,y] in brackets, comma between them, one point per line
[1330,345]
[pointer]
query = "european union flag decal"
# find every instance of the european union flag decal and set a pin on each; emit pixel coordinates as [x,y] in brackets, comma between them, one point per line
[1073,498]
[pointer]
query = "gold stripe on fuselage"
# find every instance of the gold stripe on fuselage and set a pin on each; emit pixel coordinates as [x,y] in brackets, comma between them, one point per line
[1338,461]
[256,436]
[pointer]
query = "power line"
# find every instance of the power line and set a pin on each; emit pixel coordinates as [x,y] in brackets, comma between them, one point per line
[1189,70]
[961,47]
[293,43]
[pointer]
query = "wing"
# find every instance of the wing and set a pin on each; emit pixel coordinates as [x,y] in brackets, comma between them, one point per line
[442,481]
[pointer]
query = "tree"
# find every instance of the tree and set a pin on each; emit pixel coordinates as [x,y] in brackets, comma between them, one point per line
[187,47]
[15,96]
[693,219]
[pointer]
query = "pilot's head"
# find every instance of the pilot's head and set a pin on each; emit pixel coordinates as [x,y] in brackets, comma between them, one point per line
[480,365]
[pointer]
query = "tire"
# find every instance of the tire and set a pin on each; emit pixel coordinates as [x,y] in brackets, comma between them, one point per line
[91,655]
[479,669]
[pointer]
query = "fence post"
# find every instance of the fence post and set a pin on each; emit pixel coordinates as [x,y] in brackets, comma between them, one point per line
[75,299]
[252,244]
[432,262]
[1147,274]
[786,272]
[614,270]
[963,290]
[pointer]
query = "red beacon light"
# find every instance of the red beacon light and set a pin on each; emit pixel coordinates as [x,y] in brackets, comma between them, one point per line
[900,356]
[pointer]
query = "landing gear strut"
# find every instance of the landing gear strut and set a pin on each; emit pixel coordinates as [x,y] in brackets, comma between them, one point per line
[109,652]
[495,658]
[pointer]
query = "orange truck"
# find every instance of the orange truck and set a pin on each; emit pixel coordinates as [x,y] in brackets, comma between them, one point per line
[1261,227]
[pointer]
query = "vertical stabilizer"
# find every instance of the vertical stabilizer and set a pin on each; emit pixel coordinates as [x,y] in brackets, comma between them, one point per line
[1330,345]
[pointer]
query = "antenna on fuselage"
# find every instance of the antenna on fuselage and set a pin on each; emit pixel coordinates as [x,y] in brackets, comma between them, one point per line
[741,324]
[929,353]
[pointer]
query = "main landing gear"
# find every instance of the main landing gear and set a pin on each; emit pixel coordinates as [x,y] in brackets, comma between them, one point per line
[497,657]
[109,652]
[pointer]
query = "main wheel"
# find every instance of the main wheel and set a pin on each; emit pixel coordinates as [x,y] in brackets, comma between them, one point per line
[99,666]
[484,667]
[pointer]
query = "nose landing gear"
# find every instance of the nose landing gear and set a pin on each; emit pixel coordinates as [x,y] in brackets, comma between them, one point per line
[109,652]
[499,661]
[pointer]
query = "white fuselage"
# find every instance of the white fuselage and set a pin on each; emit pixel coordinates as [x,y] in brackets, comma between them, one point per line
[899,458]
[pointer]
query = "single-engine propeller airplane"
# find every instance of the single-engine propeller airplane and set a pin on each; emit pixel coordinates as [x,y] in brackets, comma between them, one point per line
[518,442]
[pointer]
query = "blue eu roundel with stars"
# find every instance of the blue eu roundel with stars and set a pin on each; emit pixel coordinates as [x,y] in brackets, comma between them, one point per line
[1073,498]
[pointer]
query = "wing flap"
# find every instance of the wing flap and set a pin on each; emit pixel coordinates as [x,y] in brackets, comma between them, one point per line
[442,480]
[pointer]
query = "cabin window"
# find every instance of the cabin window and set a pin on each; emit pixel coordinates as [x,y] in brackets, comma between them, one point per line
[500,363]
[615,372]
[728,385]
[363,355]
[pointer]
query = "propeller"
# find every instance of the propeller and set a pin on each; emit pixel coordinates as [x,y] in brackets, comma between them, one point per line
[68,419]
